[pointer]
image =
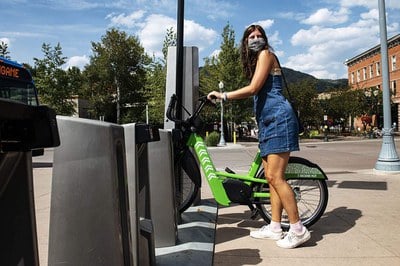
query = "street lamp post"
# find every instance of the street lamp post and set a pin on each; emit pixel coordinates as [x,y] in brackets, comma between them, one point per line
[222,139]
[147,114]
[388,159]
[118,101]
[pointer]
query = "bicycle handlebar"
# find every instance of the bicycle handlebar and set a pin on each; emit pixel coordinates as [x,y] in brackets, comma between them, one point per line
[171,107]
[171,110]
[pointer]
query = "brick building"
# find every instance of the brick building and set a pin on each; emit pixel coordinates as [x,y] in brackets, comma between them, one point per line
[365,72]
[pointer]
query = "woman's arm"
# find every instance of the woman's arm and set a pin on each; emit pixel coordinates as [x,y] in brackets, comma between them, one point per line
[264,65]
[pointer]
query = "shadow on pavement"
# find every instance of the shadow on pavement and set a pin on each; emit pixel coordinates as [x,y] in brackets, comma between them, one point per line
[337,221]
[42,165]
[252,257]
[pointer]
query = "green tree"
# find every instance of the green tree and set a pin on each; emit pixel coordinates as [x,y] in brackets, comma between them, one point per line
[52,81]
[304,94]
[156,81]
[346,103]
[155,92]
[4,50]
[75,81]
[226,67]
[169,40]
[116,75]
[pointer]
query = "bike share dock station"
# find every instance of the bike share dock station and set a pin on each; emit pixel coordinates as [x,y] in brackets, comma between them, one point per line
[23,129]
[113,198]
[196,225]
[100,211]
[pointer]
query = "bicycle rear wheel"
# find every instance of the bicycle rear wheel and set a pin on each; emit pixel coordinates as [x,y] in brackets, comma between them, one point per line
[187,181]
[311,194]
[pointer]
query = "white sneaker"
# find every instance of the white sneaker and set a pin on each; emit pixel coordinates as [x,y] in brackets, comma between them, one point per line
[265,232]
[292,240]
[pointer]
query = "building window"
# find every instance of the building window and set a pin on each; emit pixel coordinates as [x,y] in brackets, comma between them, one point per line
[393,62]
[378,69]
[358,76]
[371,71]
[352,78]
[365,73]
[393,87]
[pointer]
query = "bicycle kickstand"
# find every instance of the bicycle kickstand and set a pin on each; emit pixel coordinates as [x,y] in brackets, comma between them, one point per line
[254,211]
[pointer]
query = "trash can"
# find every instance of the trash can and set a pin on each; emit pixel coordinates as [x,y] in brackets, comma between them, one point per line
[23,128]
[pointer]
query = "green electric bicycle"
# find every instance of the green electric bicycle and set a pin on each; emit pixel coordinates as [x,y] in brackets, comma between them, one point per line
[307,179]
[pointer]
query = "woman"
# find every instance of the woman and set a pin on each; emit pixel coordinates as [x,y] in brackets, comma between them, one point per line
[278,133]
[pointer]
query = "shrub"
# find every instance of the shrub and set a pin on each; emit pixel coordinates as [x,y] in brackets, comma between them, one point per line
[313,133]
[212,139]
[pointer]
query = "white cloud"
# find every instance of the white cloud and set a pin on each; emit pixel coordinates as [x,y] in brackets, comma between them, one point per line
[153,32]
[215,53]
[5,40]
[153,28]
[363,3]
[326,48]
[265,24]
[370,16]
[198,35]
[291,15]
[19,34]
[395,4]
[77,61]
[325,16]
[274,39]
[129,21]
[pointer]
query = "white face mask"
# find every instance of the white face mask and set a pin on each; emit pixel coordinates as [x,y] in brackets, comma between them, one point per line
[256,45]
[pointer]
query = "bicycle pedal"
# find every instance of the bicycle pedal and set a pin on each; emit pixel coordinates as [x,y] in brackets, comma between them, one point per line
[228,170]
[254,214]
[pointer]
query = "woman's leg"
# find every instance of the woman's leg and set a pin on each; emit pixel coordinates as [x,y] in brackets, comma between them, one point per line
[276,204]
[275,166]
[282,195]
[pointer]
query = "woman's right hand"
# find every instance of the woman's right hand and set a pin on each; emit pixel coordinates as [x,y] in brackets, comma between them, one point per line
[215,95]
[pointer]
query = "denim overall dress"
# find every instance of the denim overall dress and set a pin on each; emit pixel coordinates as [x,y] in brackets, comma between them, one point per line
[277,124]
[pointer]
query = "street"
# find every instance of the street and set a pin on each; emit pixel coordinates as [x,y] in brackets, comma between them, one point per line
[361,203]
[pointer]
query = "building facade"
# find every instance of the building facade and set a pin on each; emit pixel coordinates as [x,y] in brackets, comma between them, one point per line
[365,72]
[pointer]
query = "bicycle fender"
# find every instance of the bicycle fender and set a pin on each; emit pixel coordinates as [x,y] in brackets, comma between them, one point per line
[191,167]
[302,168]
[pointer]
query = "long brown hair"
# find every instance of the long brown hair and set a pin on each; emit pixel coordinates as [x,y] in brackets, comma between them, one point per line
[248,57]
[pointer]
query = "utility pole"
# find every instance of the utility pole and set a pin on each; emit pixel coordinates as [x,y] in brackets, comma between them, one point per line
[222,139]
[179,57]
[388,159]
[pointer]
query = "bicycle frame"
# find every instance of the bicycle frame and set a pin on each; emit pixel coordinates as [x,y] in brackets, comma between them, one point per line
[251,188]
[215,178]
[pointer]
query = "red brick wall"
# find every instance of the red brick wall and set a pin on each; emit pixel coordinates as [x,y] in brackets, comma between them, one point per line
[367,81]
[375,80]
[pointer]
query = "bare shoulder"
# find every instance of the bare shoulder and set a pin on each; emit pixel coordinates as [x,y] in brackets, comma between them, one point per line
[267,56]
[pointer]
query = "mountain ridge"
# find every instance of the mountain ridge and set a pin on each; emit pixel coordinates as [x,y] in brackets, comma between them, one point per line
[294,76]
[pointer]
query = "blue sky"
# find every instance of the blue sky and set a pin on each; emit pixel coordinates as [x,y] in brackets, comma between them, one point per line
[313,37]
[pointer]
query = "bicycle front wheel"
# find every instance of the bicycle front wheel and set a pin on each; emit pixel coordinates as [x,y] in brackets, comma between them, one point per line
[187,181]
[310,194]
